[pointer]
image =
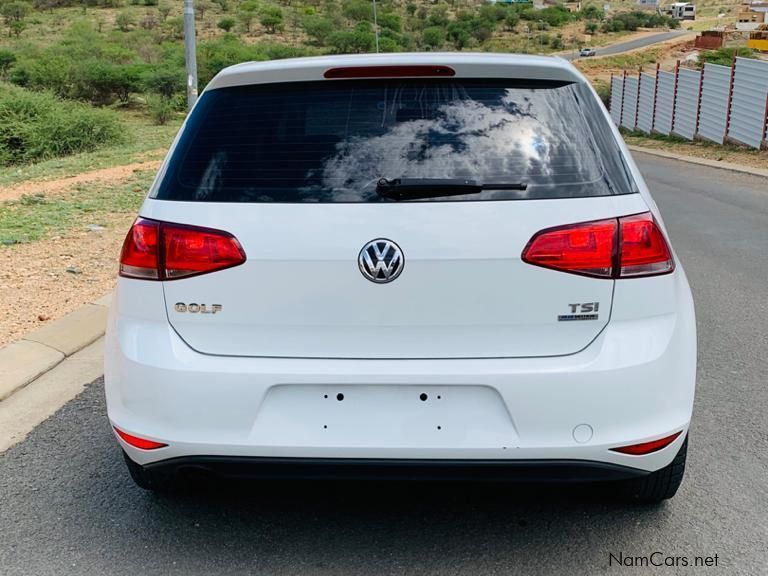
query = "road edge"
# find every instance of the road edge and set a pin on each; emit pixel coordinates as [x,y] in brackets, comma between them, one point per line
[701,161]
[28,359]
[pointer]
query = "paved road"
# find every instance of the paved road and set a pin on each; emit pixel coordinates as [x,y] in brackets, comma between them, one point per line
[631,44]
[68,507]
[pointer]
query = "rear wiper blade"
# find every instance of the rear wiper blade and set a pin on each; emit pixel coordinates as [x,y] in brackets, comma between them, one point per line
[416,188]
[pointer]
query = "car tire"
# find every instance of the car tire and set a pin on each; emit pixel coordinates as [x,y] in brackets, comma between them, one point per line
[662,484]
[151,480]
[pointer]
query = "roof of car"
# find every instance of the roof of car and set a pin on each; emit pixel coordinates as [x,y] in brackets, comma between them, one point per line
[466,65]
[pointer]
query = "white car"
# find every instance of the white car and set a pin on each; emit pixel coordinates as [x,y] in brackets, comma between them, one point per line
[402,265]
[587,52]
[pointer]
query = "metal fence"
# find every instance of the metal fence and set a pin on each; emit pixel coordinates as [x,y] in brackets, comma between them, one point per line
[717,103]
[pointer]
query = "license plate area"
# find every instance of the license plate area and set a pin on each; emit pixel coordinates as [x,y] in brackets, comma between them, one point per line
[384,416]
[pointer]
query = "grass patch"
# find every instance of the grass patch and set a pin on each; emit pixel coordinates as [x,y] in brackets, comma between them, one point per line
[144,141]
[621,61]
[34,217]
[699,148]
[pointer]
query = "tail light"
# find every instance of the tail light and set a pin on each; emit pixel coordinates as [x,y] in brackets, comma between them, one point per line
[405,71]
[647,447]
[628,247]
[161,251]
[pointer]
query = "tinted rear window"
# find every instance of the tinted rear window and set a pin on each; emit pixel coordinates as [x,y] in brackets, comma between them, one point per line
[332,141]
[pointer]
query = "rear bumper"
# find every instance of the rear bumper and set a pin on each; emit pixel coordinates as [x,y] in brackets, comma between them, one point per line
[634,383]
[524,471]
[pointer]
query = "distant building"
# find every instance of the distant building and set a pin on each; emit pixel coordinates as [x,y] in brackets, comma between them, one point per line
[748,19]
[648,5]
[573,6]
[680,11]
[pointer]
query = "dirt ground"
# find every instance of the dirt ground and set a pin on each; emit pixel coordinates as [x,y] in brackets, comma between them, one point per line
[44,280]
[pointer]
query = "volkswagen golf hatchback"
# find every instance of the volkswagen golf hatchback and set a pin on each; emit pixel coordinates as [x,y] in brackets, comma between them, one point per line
[401,266]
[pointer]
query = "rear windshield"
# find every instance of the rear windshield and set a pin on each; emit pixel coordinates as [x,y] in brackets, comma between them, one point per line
[332,141]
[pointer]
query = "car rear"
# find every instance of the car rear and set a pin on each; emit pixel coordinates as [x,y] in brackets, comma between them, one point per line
[416,260]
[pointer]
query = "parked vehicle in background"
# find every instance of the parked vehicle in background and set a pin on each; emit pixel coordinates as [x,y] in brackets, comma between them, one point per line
[586,52]
[401,265]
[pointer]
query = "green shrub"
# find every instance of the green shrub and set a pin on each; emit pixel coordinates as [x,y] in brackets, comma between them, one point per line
[124,21]
[352,42]
[318,28]
[161,110]
[637,19]
[433,37]
[724,56]
[226,24]
[511,20]
[7,60]
[358,10]
[34,126]
[390,22]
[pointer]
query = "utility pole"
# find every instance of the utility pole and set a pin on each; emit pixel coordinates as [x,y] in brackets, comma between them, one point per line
[190,52]
[376,26]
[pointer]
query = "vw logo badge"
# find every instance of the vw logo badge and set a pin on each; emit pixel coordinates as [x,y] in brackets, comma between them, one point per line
[381,261]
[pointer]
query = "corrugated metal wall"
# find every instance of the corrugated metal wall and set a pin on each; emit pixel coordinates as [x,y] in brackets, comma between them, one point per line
[686,103]
[630,103]
[691,105]
[714,102]
[645,103]
[617,90]
[665,98]
[750,87]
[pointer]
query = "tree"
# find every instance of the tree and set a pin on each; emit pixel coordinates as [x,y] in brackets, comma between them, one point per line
[14,13]
[226,24]
[246,18]
[272,19]
[164,80]
[590,27]
[201,7]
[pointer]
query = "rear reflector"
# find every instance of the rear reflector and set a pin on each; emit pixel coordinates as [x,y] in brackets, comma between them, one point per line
[161,251]
[390,72]
[137,442]
[647,447]
[628,247]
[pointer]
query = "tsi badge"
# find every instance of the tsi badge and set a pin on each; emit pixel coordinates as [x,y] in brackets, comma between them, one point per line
[197,308]
[585,311]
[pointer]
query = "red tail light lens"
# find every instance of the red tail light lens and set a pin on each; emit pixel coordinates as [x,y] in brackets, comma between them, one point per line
[644,252]
[647,447]
[586,248]
[405,71]
[137,442]
[161,251]
[139,257]
[627,247]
